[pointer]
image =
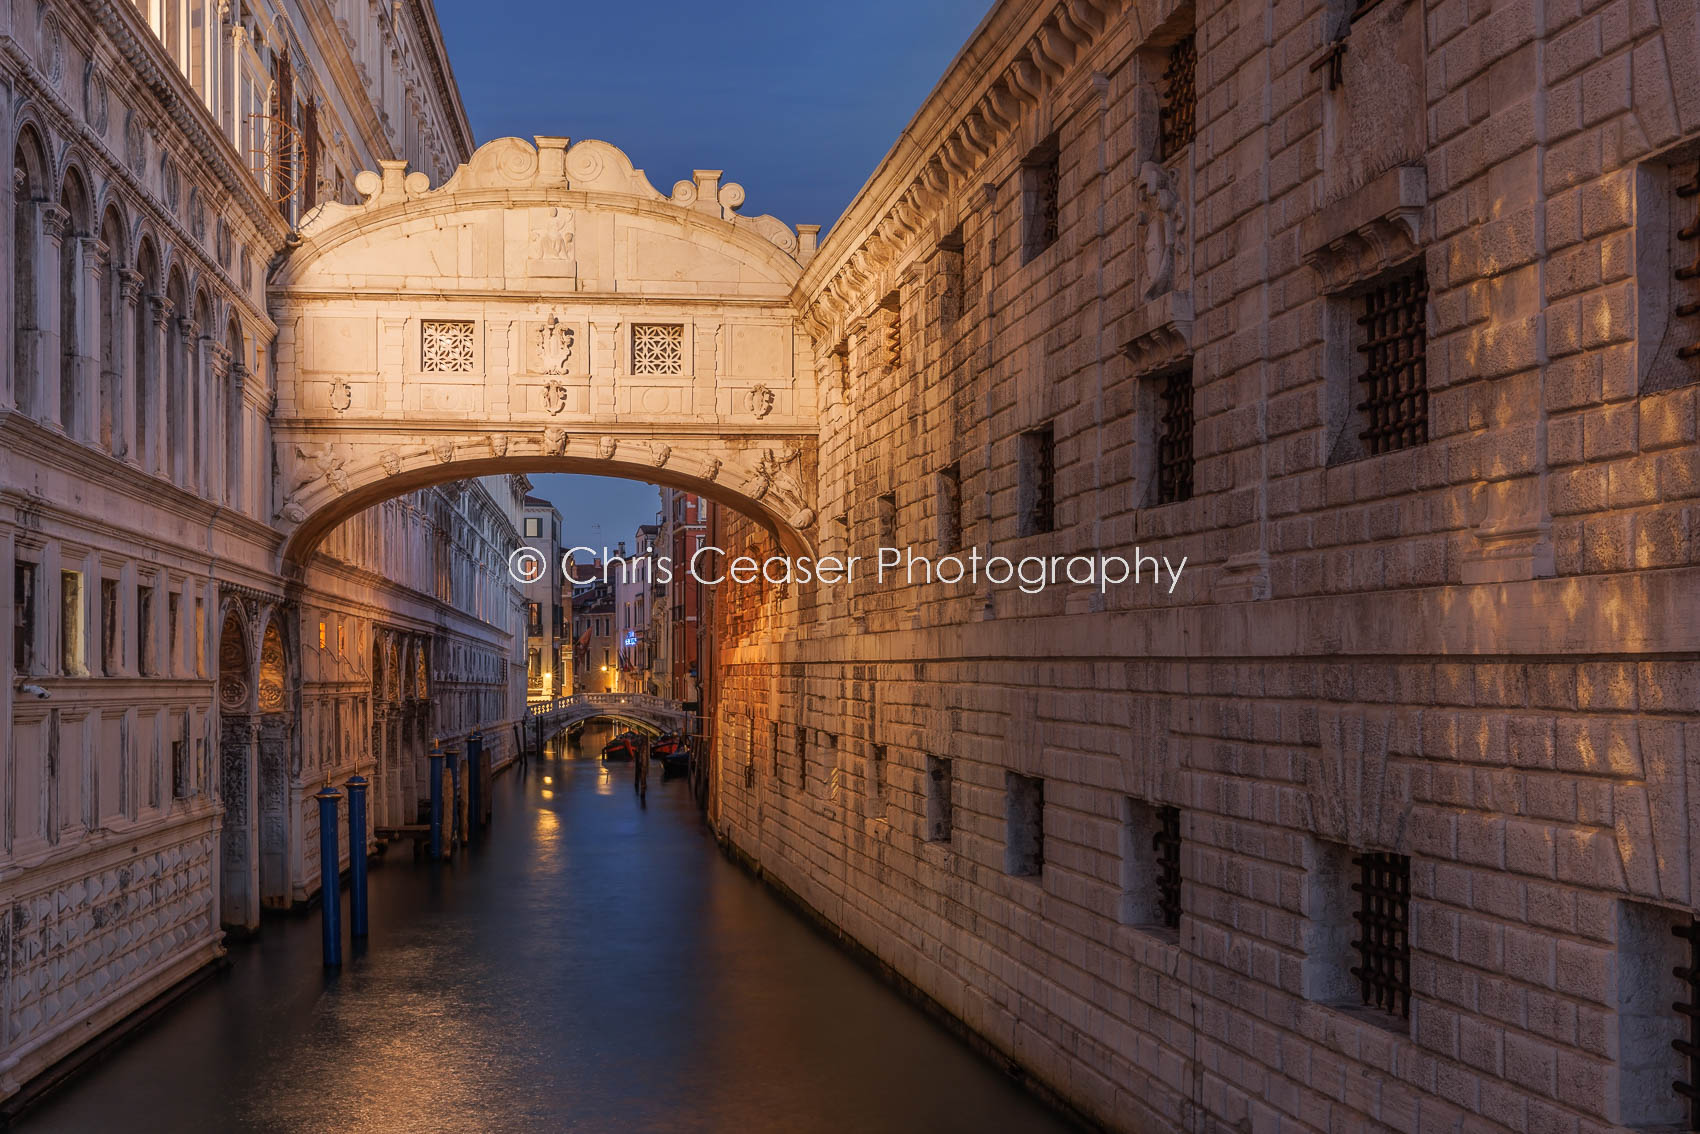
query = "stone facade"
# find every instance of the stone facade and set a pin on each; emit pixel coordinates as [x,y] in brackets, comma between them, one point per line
[1435,630]
[169,699]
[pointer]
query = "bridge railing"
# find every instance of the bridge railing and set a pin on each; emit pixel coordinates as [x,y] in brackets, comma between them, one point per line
[603,700]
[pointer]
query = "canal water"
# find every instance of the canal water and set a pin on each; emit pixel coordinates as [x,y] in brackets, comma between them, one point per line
[592,965]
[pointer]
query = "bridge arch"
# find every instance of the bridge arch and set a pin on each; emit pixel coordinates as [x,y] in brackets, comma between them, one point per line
[544,310]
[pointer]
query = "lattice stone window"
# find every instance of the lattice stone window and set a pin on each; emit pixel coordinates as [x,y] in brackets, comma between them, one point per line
[446,346]
[1174,436]
[658,348]
[1178,93]
[1383,971]
[1393,372]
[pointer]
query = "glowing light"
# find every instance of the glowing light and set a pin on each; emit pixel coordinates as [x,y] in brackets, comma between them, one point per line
[548,794]
[549,779]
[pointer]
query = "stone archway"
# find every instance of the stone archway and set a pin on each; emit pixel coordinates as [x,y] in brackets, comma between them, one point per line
[545,310]
[239,899]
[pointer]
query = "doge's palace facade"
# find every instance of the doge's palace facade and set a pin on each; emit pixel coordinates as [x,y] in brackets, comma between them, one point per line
[168,703]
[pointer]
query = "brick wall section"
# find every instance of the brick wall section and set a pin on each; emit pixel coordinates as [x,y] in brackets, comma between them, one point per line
[1523,734]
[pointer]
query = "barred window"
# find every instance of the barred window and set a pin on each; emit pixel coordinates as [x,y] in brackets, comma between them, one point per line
[1041,194]
[1038,471]
[658,348]
[1151,866]
[950,276]
[950,508]
[446,346]
[1174,437]
[938,799]
[1688,274]
[1394,367]
[801,740]
[1024,819]
[1166,847]
[1383,971]
[893,307]
[1177,114]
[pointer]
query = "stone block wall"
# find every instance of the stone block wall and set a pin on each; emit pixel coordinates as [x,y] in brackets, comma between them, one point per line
[1474,653]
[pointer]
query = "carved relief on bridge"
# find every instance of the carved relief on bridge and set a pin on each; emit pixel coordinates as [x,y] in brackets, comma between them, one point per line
[546,303]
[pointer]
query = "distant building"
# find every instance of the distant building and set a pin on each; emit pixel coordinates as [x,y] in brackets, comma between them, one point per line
[547,662]
[684,531]
[594,663]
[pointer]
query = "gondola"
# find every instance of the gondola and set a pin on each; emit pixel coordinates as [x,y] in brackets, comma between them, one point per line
[674,753]
[622,747]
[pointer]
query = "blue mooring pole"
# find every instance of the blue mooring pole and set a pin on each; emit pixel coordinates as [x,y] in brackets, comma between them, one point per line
[330,877]
[457,828]
[475,782]
[356,856]
[436,803]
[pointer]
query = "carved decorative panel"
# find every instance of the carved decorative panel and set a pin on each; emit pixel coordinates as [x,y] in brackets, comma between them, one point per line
[658,348]
[446,346]
[271,671]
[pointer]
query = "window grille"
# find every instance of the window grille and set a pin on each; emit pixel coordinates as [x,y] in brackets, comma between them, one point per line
[1395,369]
[1689,1048]
[1174,442]
[893,306]
[1177,117]
[658,348]
[950,508]
[180,769]
[1166,844]
[445,346]
[1041,185]
[1047,206]
[1690,191]
[939,822]
[1383,945]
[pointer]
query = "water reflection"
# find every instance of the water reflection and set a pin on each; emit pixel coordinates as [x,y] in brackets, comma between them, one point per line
[590,966]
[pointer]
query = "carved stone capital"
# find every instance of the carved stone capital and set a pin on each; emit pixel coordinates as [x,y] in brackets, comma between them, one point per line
[163,311]
[130,286]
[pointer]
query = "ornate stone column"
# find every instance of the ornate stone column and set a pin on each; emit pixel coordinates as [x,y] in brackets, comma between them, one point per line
[55,228]
[181,434]
[124,337]
[94,259]
[159,448]
[217,425]
[203,411]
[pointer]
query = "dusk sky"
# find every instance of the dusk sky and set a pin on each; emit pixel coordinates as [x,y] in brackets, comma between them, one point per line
[796,102]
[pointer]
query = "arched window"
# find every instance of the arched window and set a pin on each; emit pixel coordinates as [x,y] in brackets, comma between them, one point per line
[147,362]
[74,200]
[28,191]
[110,423]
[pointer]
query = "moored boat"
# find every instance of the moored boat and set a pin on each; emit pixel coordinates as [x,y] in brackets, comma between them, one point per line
[622,747]
[674,753]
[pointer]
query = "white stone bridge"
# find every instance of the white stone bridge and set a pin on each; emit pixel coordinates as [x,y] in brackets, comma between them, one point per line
[643,710]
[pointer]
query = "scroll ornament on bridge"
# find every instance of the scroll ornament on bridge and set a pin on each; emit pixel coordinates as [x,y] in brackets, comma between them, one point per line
[324,465]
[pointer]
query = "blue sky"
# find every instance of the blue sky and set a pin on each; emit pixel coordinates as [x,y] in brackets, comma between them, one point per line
[797,100]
